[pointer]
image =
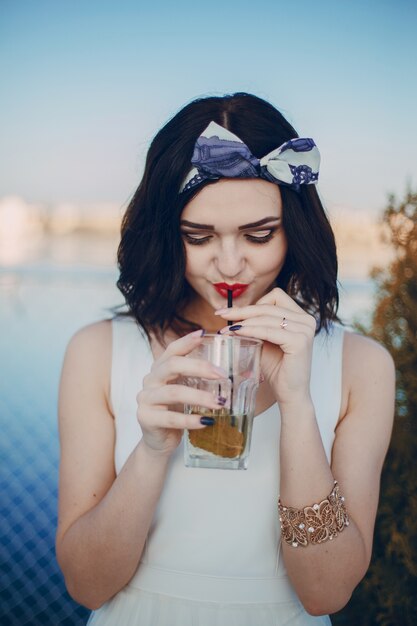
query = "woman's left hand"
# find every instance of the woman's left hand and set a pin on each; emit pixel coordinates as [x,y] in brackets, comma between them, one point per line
[288,333]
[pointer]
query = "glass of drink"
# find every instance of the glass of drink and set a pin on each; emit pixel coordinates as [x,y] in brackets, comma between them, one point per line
[226,444]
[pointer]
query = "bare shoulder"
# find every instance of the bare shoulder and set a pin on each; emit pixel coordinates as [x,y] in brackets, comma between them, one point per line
[360,353]
[368,380]
[95,336]
[92,343]
[88,355]
[368,374]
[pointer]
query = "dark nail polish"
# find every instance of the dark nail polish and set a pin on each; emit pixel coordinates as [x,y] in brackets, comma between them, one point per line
[203,332]
[221,400]
[235,327]
[207,421]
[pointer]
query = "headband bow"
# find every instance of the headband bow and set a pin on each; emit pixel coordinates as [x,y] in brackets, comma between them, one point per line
[218,153]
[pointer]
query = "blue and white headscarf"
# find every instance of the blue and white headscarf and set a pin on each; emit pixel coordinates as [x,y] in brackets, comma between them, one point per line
[218,153]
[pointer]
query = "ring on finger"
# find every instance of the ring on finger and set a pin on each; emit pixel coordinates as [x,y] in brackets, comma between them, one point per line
[284,323]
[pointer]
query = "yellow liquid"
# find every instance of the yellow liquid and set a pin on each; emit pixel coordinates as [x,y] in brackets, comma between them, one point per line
[225,438]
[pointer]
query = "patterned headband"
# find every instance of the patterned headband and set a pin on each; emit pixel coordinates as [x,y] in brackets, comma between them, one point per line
[218,153]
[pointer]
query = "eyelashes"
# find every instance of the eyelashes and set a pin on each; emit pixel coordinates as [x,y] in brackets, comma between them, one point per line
[196,240]
[263,239]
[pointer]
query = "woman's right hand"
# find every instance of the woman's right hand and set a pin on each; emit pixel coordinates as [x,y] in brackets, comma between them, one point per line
[162,426]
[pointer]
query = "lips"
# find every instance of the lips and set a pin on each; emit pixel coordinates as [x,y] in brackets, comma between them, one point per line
[237,289]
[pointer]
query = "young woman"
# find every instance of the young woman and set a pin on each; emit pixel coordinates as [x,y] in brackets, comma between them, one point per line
[227,201]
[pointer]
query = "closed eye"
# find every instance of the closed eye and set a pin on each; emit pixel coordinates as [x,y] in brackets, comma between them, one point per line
[196,240]
[261,236]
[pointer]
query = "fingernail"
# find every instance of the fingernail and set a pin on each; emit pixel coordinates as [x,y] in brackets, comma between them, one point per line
[235,327]
[220,311]
[261,378]
[221,400]
[207,421]
[198,333]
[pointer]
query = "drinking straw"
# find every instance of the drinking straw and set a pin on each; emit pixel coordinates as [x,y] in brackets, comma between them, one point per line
[230,351]
[229,303]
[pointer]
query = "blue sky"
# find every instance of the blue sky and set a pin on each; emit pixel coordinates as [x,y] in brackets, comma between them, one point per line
[86,84]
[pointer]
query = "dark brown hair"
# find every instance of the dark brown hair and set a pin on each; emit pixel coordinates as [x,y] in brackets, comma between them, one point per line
[151,254]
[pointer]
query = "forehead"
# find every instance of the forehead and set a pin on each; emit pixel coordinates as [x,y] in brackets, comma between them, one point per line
[242,200]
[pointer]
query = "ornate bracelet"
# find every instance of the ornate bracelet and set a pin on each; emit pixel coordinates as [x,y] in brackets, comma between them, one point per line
[314,524]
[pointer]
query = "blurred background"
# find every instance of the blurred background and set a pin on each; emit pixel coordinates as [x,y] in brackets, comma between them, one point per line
[85,87]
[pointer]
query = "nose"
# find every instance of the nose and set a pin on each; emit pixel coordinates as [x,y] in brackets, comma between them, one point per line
[230,259]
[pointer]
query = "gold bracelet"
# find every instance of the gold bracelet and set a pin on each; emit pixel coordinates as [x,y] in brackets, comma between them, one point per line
[314,524]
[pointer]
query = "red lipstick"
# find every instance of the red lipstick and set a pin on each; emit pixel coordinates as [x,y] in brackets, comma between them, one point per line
[237,289]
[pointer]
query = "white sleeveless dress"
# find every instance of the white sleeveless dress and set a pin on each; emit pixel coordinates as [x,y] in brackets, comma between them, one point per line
[213,553]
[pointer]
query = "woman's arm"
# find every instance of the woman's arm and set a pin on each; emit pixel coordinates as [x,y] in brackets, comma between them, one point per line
[104,520]
[324,575]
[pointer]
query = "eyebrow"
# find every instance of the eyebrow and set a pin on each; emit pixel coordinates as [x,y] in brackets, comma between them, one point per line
[265,220]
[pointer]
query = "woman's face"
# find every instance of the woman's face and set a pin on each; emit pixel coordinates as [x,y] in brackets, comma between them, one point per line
[233,236]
